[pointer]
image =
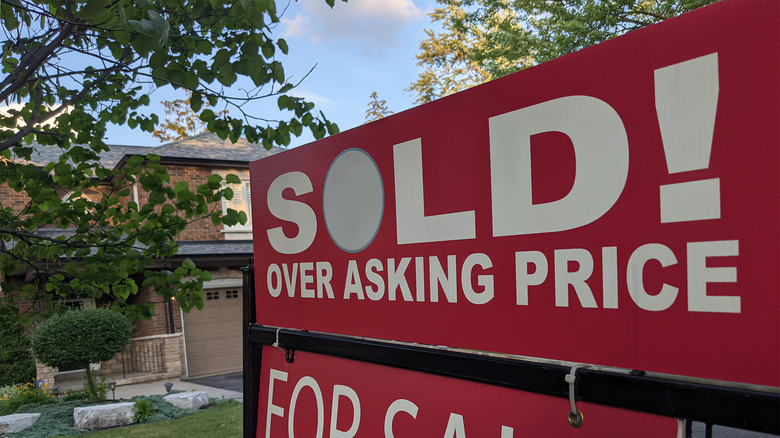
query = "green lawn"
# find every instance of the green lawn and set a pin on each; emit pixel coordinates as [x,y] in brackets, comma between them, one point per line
[223,421]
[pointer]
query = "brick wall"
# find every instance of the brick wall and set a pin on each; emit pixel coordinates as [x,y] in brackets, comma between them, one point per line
[156,325]
[203,230]
[18,201]
[9,198]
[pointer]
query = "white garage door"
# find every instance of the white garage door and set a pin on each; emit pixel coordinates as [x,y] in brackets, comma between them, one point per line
[213,335]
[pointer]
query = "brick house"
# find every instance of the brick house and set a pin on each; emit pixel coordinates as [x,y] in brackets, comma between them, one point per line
[172,343]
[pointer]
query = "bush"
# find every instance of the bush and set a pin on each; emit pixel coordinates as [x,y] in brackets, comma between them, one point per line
[16,362]
[76,338]
[8,391]
[77,395]
[101,390]
[29,394]
[144,409]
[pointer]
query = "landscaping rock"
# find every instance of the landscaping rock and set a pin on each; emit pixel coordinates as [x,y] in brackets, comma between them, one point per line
[188,400]
[17,422]
[103,416]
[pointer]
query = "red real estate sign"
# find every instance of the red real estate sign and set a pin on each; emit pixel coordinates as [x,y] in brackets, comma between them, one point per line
[331,397]
[618,206]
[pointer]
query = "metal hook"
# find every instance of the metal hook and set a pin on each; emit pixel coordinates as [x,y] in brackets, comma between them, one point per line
[289,353]
[276,344]
[574,416]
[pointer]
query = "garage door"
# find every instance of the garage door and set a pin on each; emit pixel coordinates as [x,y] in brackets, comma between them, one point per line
[213,335]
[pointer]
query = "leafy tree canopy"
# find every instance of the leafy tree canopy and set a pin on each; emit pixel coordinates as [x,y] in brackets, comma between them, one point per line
[487,39]
[72,68]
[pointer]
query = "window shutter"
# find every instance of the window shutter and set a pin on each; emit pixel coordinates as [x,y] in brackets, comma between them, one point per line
[241,200]
[248,199]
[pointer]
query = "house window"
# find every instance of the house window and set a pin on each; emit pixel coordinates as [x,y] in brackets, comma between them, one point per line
[231,294]
[210,296]
[76,303]
[242,201]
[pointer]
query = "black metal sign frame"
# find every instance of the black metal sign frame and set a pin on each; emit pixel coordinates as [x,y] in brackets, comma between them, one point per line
[723,405]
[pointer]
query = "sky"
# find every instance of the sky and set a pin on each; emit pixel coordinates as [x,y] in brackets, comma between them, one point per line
[354,49]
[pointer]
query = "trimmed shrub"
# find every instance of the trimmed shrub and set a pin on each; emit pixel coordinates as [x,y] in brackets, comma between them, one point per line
[76,338]
[16,362]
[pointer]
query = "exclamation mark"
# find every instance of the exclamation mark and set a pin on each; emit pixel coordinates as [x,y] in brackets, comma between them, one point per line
[686,100]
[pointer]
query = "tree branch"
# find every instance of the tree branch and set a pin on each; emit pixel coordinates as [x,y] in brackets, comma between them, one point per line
[31,62]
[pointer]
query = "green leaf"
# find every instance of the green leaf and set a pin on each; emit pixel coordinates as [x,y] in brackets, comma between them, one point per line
[283,45]
[158,59]
[277,71]
[283,101]
[93,9]
[188,264]
[221,58]
[182,186]
[155,28]
[161,27]
[268,50]
[156,197]
[207,115]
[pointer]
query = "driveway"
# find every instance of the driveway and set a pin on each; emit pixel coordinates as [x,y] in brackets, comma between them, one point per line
[231,381]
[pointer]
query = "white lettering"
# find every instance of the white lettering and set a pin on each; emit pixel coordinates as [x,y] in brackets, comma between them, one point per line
[609,277]
[307,279]
[448,281]
[373,267]
[524,278]
[292,211]
[324,275]
[455,427]
[349,393]
[564,277]
[699,275]
[400,405]
[412,226]
[601,165]
[272,408]
[353,284]
[311,383]
[274,276]
[397,278]
[636,288]
[486,281]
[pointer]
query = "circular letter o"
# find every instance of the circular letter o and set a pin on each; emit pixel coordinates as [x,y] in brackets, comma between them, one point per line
[353,200]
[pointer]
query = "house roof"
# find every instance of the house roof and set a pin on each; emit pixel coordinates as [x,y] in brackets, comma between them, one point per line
[210,147]
[216,248]
[202,147]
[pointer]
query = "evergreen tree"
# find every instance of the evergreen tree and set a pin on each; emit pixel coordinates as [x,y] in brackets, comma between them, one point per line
[377,109]
[182,121]
[16,362]
[487,39]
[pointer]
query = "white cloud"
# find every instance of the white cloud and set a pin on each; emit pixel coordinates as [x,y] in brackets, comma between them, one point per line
[316,99]
[372,24]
